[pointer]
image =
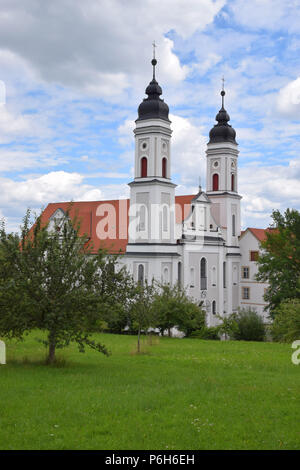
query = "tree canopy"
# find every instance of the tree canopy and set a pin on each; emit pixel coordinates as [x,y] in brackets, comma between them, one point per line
[279,262]
[51,279]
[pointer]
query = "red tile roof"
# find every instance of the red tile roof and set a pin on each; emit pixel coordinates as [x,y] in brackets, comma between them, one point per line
[93,216]
[259,233]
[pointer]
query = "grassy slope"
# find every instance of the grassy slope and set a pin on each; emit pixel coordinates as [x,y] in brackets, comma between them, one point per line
[183,394]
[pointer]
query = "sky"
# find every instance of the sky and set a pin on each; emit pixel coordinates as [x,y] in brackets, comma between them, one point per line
[73,73]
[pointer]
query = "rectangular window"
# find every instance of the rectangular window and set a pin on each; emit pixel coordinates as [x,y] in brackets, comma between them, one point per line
[253,255]
[245,293]
[245,272]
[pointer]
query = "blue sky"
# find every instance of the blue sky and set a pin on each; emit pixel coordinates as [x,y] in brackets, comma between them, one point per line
[74,73]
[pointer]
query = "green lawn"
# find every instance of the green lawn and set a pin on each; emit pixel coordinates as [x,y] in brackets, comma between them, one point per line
[180,394]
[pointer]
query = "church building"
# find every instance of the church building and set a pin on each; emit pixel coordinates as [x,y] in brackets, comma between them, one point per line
[194,240]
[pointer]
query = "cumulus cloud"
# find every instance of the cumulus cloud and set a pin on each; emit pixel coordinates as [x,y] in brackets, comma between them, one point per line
[188,151]
[94,45]
[54,186]
[267,188]
[288,100]
[267,14]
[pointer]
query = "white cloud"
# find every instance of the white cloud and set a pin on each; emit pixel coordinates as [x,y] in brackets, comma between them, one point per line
[51,187]
[188,151]
[268,14]
[267,188]
[288,100]
[97,46]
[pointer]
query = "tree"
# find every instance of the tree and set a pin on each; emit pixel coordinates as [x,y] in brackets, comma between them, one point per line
[172,307]
[59,284]
[279,262]
[286,325]
[140,309]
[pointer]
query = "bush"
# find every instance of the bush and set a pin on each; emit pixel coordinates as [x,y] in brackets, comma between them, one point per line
[286,325]
[245,325]
[206,333]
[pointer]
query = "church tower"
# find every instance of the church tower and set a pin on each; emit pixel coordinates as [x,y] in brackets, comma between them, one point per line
[151,235]
[222,189]
[222,175]
[152,194]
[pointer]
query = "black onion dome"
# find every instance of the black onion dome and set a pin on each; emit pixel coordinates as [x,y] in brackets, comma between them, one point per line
[222,132]
[153,107]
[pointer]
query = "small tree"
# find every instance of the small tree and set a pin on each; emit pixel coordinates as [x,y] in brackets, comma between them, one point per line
[140,312]
[59,283]
[172,307]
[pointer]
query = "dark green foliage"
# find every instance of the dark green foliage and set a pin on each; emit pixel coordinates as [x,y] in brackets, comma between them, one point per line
[245,325]
[50,280]
[279,263]
[173,308]
[206,333]
[286,326]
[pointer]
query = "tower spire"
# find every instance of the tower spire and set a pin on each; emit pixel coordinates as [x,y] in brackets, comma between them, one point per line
[154,61]
[223,91]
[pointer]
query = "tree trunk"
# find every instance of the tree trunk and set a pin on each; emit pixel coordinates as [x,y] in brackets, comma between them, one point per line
[51,354]
[169,332]
[139,334]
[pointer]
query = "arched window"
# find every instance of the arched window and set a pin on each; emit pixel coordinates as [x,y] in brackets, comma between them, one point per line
[224,274]
[141,274]
[164,167]
[144,167]
[203,274]
[233,225]
[232,182]
[215,182]
[214,307]
[179,273]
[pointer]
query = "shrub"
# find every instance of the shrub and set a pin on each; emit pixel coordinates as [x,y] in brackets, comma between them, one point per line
[245,325]
[206,333]
[286,325]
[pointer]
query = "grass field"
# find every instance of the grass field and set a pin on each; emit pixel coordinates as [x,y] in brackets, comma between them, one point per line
[179,394]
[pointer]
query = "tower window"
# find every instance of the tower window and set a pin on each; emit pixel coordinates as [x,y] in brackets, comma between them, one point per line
[144,167]
[214,307]
[215,182]
[224,274]
[232,182]
[233,225]
[164,167]
[203,274]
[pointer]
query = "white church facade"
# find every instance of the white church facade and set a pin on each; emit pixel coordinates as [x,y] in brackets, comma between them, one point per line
[194,240]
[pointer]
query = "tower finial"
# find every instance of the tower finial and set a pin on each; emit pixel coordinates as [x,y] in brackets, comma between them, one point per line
[223,91]
[154,61]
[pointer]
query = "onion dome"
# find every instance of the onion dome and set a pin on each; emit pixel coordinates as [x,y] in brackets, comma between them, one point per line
[222,132]
[153,107]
